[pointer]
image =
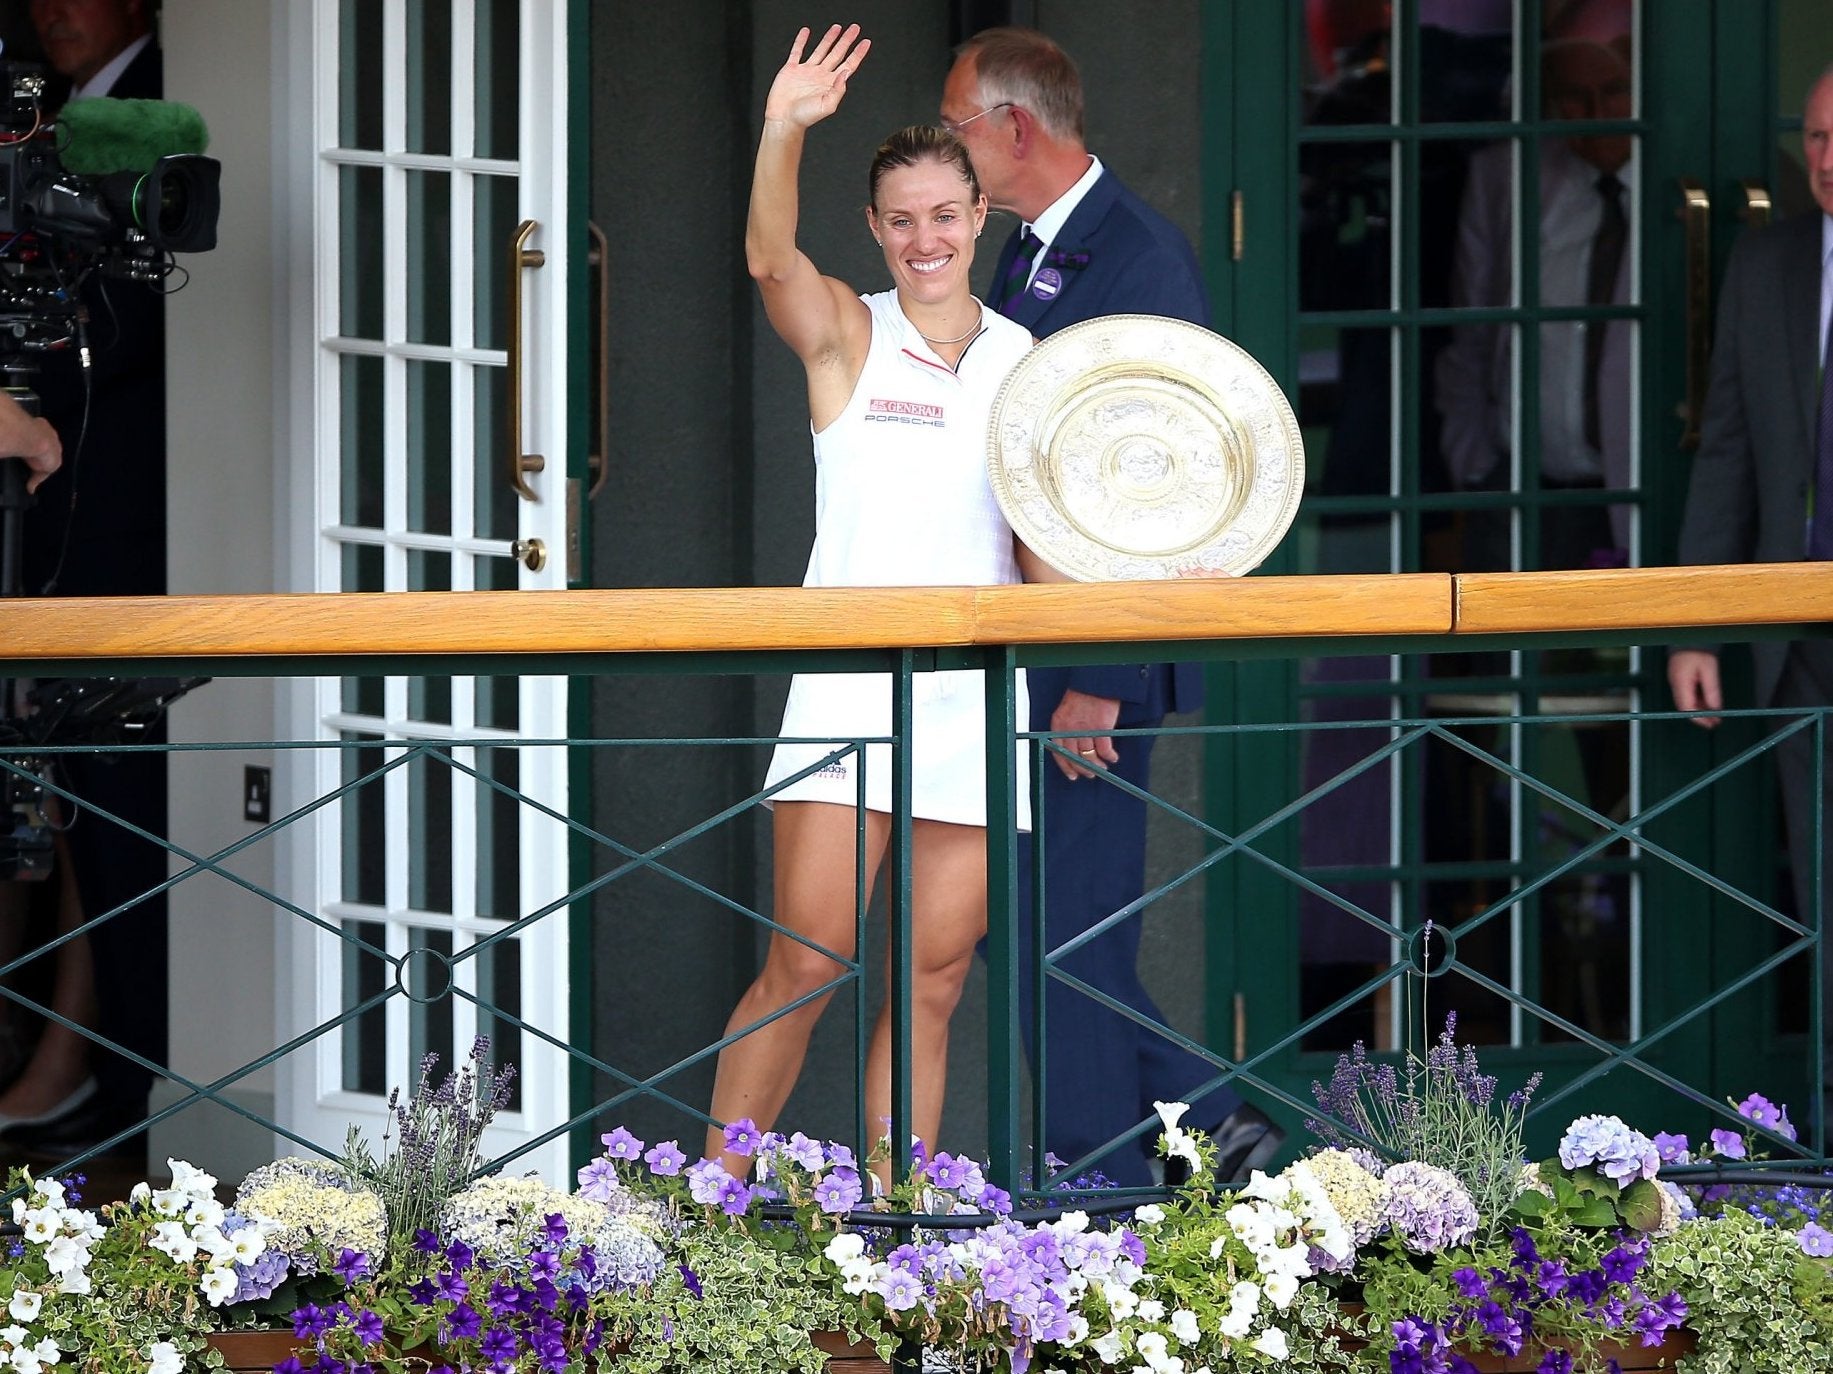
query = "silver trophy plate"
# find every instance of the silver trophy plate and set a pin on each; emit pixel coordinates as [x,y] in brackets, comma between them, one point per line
[1134,447]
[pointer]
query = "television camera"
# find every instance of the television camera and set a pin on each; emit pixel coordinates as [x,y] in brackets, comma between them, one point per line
[113,187]
[110,189]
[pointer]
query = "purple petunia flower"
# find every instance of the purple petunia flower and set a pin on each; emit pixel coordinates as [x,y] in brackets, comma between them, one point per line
[1761,1110]
[463,1322]
[598,1180]
[741,1137]
[290,1365]
[841,1156]
[1728,1144]
[1470,1283]
[620,1144]
[690,1279]
[1554,1362]
[706,1180]
[426,1242]
[805,1152]
[368,1327]
[424,1292]
[459,1255]
[1671,1148]
[900,1290]
[451,1287]
[665,1159]
[498,1348]
[839,1191]
[734,1197]
[351,1265]
[1815,1240]
[311,1321]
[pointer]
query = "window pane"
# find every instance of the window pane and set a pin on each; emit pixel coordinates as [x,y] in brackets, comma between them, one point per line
[429,257]
[498,53]
[362,441]
[359,108]
[429,76]
[365,1037]
[362,275]
[429,447]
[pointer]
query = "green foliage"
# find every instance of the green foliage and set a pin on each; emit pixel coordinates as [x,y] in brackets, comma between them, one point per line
[433,1143]
[1757,1304]
[755,1307]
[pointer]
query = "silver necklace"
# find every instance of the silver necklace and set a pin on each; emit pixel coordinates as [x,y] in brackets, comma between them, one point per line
[972,329]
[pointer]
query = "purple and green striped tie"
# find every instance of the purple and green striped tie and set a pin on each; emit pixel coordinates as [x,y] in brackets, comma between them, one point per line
[1018,275]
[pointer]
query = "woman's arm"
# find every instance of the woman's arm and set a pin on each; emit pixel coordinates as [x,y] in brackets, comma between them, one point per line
[814,314]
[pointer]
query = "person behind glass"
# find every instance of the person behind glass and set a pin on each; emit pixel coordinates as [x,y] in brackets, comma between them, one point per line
[900,388]
[1761,491]
[1586,189]
[98,529]
[1088,246]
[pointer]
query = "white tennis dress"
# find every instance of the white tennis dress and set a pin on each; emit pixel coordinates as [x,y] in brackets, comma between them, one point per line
[902,500]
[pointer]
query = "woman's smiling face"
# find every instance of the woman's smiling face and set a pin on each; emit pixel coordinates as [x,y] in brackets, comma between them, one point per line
[927,216]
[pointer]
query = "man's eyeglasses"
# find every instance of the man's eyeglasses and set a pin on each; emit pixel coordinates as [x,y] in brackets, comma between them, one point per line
[955,126]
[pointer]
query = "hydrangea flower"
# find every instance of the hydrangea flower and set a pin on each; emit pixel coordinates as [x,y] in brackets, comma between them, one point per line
[1605,1143]
[1428,1209]
[1359,1197]
[312,1204]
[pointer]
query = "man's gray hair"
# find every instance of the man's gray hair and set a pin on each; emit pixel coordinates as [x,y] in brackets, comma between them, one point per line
[1024,67]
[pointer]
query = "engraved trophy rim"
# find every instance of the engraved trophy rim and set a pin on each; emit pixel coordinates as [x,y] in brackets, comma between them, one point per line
[1138,447]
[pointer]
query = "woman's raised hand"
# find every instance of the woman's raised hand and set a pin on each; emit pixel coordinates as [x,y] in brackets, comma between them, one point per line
[808,90]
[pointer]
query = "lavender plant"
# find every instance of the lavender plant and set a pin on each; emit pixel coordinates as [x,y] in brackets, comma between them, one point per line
[433,1143]
[1440,1110]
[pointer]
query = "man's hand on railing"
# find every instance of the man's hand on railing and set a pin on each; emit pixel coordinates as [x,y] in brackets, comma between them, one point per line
[1694,681]
[1082,721]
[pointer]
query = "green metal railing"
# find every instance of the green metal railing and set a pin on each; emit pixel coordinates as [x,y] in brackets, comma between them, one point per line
[1425,952]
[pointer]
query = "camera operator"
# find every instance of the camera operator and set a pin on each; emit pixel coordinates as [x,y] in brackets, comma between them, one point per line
[99,529]
[28,437]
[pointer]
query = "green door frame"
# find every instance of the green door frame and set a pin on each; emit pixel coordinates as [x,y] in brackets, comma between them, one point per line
[1250,74]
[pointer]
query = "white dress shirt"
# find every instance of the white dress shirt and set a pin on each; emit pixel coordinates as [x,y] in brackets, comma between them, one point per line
[104,81]
[1476,372]
[1049,224]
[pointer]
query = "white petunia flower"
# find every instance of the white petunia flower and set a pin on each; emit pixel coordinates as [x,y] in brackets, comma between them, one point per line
[1153,1347]
[171,1202]
[1121,1300]
[76,1283]
[218,1284]
[25,1304]
[1281,1289]
[247,1245]
[848,1245]
[1170,1113]
[1271,1343]
[23,1361]
[1236,1322]
[1150,1214]
[1184,1326]
[40,1224]
[11,1336]
[1109,1347]
[48,1351]
[165,1359]
[65,1256]
[170,1238]
[1245,1295]
[1151,1310]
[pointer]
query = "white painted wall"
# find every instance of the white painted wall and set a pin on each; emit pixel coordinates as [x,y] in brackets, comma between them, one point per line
[224,465]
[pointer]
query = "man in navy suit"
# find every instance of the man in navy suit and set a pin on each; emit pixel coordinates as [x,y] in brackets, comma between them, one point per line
[1087,246]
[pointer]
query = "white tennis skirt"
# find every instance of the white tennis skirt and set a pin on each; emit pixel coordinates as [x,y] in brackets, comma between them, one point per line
[948,748]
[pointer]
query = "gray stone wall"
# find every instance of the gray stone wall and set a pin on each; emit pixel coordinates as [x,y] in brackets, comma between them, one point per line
[711,481]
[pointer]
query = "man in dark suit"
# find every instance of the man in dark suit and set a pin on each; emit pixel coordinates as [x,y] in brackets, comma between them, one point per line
[99,529]
[1088,246]
[1762,485]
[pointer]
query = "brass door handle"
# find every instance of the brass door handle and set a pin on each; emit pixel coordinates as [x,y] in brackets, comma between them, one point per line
[1696,217]
[598,457]
[520,259]
[1757,205]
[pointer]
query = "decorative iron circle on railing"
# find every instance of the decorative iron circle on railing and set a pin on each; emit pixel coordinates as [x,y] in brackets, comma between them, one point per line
[419,970]
[1427,959]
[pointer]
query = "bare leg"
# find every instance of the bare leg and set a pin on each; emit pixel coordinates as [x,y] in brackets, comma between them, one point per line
[60,1061]
[948,901]
[815,847]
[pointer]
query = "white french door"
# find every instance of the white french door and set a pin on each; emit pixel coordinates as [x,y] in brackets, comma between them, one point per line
[432,356]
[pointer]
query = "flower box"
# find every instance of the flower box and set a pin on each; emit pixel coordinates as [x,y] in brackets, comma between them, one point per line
[257,1352]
